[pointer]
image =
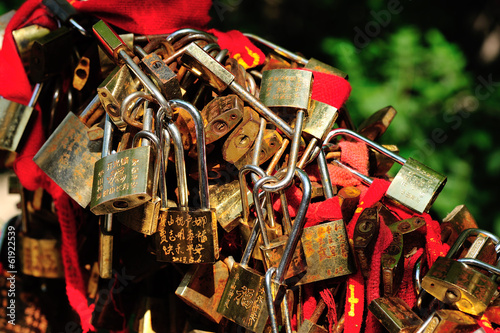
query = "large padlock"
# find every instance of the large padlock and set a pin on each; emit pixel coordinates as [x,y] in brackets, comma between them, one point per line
[456,283]
[190,235]
[66,158]
[14,118]
[415,186]
[123,180]
[244,300]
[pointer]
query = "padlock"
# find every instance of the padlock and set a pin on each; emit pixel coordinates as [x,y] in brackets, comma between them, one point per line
[144,218]
[395,315]
[164,77]
[202,287]
[241,139]
[311,325]
[348,200]
[123,180]
[392,262]
[116,49]
[374,126]
[380,164]
[203,65]
[51,54]
[221,115]
[455,283]
[457,221]
[415,186]
[243,299]
[226,200]
[320,120]
[14,118]
[42,257]
[365,236]
[443,321]
[113,90]
[24,38]
[190,235]
[66,158]
[271,143]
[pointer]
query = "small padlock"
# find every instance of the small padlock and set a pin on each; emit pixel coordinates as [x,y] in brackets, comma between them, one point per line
[24,38]
[392,262]
[395,315]
[164,77]
[243,300]
[241,139]
[271,143]
[457,284]
[113,90]
[202,287]
[457,221]
[221,115]
[123,180]
[415,186]
[144,218]
[374,126]
[365,236]
[190,235]
[14,118]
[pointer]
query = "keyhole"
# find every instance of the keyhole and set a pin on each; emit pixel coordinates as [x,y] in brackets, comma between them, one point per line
[365,226]
[452,295]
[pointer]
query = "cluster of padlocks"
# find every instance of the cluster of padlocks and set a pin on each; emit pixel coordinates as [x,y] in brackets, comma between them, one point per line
[263,207]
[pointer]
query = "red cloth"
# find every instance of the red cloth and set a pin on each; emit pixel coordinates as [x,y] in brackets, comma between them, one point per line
[240,48]
[330,89]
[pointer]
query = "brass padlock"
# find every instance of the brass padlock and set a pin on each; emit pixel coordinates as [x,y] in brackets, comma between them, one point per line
[221,115]
[14,118]
[190,235]
[374,126]
[392,262]
[415,186]
[243,299]
[365,236]
[113,90]
[144,218]
[241,139]
[202,287]
[162,75]
[395,315]
[24,38]
[457,221]
[123,180]
[66,158]
[444,321]
[42,257]
[271,143]
[455,283]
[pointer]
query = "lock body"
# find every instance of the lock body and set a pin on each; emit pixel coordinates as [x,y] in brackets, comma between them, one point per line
[395,315]
[457,284]
[14,118]
[187,236]
[143,218]
[416,186]
[42,258]
[327,252]
[202,288]
[122,181]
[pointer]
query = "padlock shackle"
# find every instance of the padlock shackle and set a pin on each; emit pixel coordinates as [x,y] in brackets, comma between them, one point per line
[209,48]
[268,285]
[107,136]
[199,128]
[480,264]
[145,134]
[260,215]
[324,174]
[297,227]
[180,165]
[178,34]
[243,187]
[124,107]
[257,146]
[278,49]
[34,95]
[365,179]
[371,144]
[293,157]
[466,234]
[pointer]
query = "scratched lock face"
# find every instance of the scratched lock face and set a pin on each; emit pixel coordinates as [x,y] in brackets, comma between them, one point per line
[243,300]
[122,181]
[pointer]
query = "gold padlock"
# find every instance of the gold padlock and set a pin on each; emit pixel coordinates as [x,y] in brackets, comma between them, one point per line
[415,186]
[395,314]
[190,235]
[221,115]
